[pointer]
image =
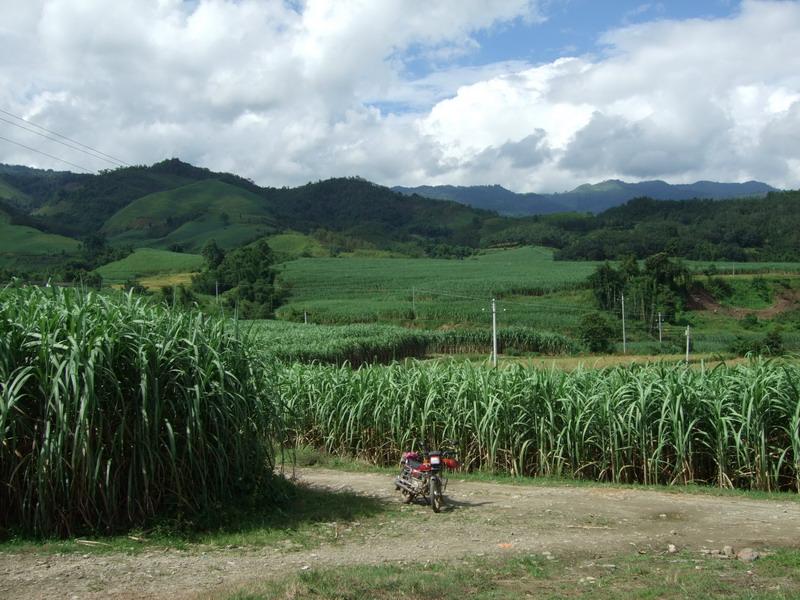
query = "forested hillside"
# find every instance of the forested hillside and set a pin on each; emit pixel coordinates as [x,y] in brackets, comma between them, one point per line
[177,206]
[752,229]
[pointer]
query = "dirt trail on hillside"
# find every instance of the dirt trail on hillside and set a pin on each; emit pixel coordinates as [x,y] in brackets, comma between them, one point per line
[483,519]
[785,301]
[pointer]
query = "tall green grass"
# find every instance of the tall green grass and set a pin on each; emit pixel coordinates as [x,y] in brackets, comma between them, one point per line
[113,412]
[368,343]
[730,426]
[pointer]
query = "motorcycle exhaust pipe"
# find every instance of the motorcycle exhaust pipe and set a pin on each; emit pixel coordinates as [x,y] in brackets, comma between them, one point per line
[400,483]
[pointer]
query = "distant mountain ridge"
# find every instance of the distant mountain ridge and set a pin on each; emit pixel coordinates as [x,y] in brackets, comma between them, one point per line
[173,204]
[593,198]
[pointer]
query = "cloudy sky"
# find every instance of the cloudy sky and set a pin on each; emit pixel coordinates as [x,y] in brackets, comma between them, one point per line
[536,95]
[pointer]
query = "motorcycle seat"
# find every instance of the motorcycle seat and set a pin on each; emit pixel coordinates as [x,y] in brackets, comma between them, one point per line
[412,464]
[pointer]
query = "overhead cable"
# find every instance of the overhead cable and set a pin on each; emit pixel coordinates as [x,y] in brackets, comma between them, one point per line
[72,164]
[55,133]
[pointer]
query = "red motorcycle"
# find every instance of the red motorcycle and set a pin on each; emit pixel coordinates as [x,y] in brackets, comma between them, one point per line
[424,475]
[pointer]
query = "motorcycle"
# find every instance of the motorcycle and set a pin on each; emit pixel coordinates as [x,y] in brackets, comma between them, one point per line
[424,475]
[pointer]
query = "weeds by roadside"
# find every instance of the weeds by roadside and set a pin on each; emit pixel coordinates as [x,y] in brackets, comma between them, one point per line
[682,575]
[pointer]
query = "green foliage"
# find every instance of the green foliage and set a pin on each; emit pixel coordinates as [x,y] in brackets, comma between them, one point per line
[736,426]
[362,343]
[178,296]
[248,272]
[212,254]
[82,207]
[769,345]
[375,214]
[597,333]
[661,286]
[751,229]
[114,412]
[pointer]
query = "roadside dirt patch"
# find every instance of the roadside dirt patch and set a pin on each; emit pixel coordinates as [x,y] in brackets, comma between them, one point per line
[483,519]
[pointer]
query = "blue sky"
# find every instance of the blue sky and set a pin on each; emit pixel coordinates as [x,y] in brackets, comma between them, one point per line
[573,27]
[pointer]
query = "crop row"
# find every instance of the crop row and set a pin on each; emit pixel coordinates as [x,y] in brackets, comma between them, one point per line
[731,426]
[358,344]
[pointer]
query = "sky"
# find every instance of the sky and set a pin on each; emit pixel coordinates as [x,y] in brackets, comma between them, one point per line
[534,95]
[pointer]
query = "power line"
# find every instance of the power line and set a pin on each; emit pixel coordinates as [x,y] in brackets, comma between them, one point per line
[5,112]
[57,141]
[47,155]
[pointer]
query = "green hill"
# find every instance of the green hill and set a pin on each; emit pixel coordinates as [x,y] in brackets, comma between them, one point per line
[21,245]
[12,195]
[373,213]
[78,205]
[191,215]
[146,262]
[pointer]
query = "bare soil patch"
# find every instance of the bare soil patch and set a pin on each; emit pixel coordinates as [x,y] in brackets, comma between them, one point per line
[483,519]
[785,301]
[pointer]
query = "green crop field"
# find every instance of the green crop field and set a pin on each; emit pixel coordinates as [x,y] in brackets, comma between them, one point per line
[363,343]
[743,268]
[731,426]
[294,245]
[146,262]
[532,291]
[433,291]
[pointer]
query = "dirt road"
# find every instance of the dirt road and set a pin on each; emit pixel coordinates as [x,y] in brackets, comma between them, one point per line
[483,519]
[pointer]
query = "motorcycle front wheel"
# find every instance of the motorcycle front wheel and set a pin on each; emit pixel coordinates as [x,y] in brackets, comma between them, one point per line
[435,495]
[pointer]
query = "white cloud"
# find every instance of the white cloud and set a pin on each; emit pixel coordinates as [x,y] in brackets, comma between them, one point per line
[681,100]
[289,92]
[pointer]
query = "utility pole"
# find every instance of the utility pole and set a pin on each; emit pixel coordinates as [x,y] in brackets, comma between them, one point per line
[413,303]
[494,333]
[216,291]
[624,338]
[305,317]
[659,328]
[688,338]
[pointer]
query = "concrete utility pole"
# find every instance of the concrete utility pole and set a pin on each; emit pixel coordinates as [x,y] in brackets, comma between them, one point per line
[659,329]
[624,338]
[688,338]
[413,303]
[305,317]
[216,291]
[494,333]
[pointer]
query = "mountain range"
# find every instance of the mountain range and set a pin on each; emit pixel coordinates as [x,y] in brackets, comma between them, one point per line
[593,198]
[49,218]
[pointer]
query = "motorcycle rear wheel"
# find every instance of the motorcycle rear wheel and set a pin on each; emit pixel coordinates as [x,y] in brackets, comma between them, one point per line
[436,498]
